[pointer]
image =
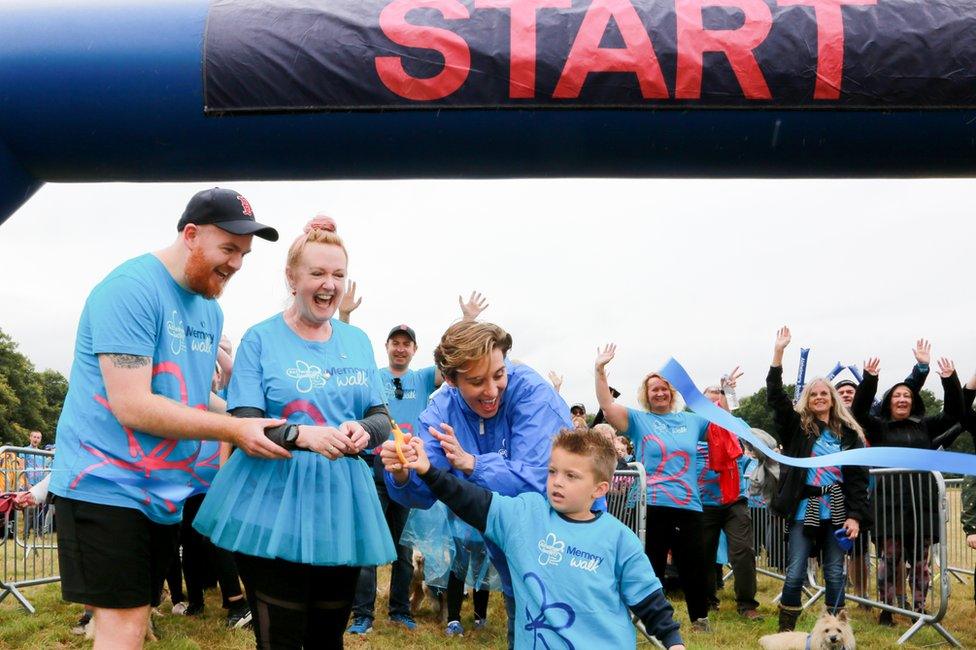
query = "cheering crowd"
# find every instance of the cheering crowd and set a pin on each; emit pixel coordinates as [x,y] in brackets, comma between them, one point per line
[300,466]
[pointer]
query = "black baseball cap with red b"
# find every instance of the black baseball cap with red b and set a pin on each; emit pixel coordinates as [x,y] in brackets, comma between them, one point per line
[403,329]
[226,209]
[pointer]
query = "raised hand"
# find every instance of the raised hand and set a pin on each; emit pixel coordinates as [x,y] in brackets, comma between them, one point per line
[872,366]
[731,378]
[783,338]
[946,367]
[456,456]
[349,302]
[605,356]
[922,352]
[557,380]
[356,434]
[473,307]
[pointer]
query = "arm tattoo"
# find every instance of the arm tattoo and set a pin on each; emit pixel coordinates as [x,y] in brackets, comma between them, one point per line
[128,361]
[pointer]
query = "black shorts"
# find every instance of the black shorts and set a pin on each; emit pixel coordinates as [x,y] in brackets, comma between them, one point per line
[110,556]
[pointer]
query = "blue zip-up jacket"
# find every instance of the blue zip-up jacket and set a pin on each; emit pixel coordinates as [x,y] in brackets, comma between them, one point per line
[511,449]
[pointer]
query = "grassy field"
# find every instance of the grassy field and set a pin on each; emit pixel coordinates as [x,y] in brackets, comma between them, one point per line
[49,628]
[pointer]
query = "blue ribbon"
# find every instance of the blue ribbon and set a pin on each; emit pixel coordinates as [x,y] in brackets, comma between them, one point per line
[924,460]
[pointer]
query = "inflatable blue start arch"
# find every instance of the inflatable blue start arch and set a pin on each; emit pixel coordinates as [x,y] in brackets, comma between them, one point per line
[177,90]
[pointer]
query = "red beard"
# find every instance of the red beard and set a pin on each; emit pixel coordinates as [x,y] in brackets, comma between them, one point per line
[200,276]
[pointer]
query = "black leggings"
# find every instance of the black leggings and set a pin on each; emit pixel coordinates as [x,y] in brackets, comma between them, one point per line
[455,594]
[297,605]
[200,557]
[681,532]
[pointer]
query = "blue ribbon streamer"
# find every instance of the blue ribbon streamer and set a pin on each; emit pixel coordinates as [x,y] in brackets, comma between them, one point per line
[924,460]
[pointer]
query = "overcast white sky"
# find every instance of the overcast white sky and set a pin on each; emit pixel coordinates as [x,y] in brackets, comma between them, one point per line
[703,270]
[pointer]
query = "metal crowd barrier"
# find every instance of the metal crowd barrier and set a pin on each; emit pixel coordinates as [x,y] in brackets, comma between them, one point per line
[28,543]
[905,549]
[627,501]
[961,558]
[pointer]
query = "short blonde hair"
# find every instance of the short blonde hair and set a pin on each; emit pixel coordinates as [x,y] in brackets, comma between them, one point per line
[469,341]
[591,444]
[642,392]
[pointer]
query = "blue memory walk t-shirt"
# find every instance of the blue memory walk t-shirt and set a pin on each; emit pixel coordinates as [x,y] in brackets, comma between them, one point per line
[305,382]
[573,581]
[667,446]
[208,462]
[827,443]
[138,309]
[417,385]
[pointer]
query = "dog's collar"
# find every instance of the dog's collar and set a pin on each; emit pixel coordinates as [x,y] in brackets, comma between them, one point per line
[810,636]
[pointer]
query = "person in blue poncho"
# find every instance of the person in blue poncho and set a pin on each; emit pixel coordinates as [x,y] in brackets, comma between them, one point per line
[493,425]
[301,528]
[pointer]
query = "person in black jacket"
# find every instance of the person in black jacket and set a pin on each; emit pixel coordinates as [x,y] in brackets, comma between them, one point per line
[814,502]
[907,504]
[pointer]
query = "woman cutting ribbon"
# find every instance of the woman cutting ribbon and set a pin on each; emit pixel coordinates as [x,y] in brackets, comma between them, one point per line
[302,527]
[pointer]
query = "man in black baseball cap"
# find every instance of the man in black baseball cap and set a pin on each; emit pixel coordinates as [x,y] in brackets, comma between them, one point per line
[226,209]
[846,389]
[118,478]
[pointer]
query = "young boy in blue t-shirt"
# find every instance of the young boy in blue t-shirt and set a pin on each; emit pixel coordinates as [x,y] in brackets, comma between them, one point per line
[575,571]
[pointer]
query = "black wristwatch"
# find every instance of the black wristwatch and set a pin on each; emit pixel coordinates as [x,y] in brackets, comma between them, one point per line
[291,436]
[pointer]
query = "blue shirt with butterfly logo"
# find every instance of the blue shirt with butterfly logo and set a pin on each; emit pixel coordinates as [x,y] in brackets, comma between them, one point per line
[139,310]
[573,580]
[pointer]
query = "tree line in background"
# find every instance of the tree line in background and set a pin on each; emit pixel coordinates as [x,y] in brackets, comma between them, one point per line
[29,400]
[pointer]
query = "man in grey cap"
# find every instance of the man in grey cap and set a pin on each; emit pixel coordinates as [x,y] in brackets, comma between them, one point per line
[138,402]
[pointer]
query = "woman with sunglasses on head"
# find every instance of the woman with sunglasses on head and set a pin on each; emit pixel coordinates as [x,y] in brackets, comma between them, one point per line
[817,504]
[301,528]
[666,443]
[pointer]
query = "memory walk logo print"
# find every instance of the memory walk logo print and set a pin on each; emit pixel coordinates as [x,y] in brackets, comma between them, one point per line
[552,550]
[200,339]
[174,327]
[307,376]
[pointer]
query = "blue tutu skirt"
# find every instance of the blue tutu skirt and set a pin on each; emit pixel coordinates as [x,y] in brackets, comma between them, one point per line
[449,546]
[306,509]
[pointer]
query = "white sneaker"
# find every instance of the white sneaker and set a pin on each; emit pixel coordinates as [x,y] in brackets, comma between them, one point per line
[179,609]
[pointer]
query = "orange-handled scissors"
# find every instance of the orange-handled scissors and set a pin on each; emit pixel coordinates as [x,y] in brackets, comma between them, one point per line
[398,442]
